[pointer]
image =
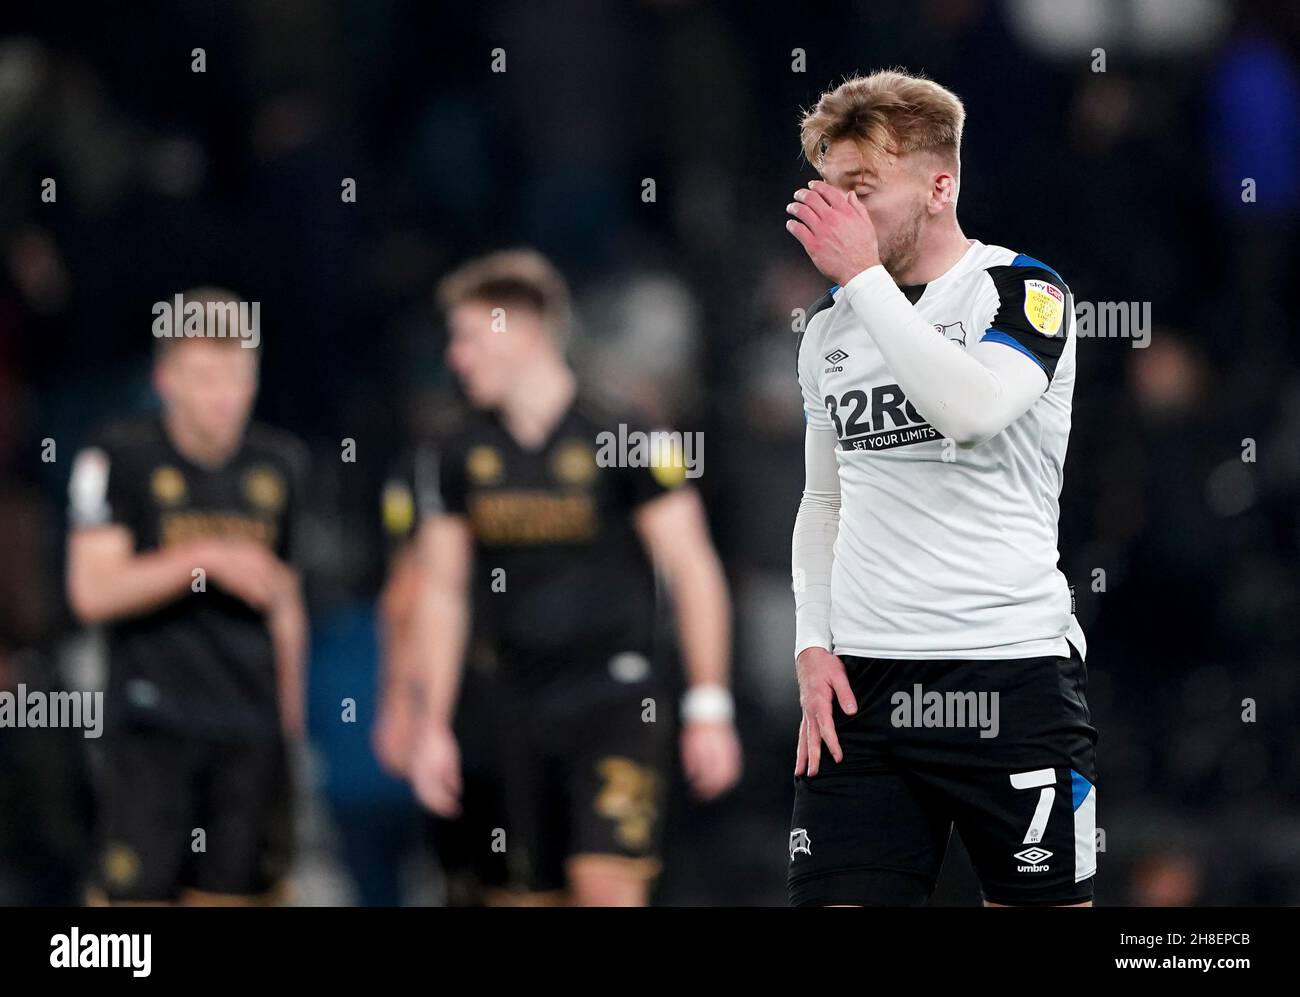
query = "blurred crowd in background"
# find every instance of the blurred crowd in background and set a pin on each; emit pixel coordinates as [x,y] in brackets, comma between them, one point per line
[1109,138]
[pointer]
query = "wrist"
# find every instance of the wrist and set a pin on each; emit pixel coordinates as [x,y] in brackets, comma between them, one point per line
[856,269]
[867,278]
[708,702]
[802,649]
[204,554]
[437,720]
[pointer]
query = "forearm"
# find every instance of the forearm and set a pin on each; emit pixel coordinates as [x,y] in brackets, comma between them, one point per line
[812,555]
[441,630]
[287,622]
[702,610]
[397,635]
[399,681]
[135,585]
[967,395]
[812,547]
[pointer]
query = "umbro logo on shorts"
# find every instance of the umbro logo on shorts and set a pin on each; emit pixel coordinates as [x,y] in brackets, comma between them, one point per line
[836,358]
[799,842]
[1033,859]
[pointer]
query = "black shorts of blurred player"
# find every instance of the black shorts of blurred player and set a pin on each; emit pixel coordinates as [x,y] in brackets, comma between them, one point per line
[190,820]
[874,828]
[585,777]
[474,874]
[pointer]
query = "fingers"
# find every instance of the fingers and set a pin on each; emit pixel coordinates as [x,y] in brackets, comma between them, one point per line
[825,199]
[689,763]
[843,690]
[826,724]
[440,792]
[813,202]
[453,784]
[802,212]
[801,752]
[436,797]
[801,232]
[715,763]
[814,746]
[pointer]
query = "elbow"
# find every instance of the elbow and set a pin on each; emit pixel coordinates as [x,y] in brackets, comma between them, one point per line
[967,438]
[87,608]
[820,502]
[970,432]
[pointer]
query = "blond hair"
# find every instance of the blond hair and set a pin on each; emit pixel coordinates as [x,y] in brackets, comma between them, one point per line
[212,300]
[511,277]
[888,112]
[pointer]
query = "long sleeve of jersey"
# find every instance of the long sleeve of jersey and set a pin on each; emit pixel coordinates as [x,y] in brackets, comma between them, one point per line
[813,545]
[967,395]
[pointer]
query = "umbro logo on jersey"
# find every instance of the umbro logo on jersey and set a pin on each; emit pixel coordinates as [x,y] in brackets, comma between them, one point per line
[799,842]
[836,357]
[1034,859]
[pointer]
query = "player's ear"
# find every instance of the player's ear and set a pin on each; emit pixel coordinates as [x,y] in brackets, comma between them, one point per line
[159,376]
[943,191]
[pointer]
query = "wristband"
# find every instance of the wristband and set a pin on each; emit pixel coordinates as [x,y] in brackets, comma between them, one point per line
[710,704]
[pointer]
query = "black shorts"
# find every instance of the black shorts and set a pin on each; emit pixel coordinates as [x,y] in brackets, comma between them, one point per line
[1005,751]
[179,813]
[589,779]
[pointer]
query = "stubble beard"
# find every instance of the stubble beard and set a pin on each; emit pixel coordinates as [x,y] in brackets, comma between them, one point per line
[899,252]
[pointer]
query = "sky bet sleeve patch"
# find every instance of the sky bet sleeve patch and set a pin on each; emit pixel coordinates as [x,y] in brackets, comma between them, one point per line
[1044,306]
[1033,313]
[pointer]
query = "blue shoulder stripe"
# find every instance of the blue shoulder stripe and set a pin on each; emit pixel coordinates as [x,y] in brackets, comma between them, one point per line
[998,336]
[1022,260]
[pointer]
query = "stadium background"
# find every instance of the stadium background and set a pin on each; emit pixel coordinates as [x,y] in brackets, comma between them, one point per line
[1128,181]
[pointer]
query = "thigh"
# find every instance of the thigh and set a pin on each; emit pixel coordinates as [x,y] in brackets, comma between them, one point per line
[146,815]
[1030,834]
[533,831]
[246,805]
[1024,799]
[865,835]
[617,769]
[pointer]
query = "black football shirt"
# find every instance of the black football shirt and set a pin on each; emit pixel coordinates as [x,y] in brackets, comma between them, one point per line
[202,665]
[563,591]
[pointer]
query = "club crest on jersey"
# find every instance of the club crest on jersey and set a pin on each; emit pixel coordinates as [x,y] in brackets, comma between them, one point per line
[398,506]
[836,358]
[574,463]
[484,465]
[800,843]
[1044,306]
[120,864]
[168,486]
[265,488]
[954,332]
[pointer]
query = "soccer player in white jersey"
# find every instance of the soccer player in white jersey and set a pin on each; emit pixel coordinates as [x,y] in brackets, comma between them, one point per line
[938,657]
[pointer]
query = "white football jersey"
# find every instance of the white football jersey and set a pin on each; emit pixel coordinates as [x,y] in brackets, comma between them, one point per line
[947,552]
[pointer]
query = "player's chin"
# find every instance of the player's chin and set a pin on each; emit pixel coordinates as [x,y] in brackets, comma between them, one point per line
[479,396]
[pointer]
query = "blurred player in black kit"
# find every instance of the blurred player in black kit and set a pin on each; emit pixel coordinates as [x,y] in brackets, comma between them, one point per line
[180,545]
[472,874]
[556,550]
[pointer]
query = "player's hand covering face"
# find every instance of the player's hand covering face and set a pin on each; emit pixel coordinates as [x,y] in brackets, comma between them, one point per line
[834,229]
[896,195]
